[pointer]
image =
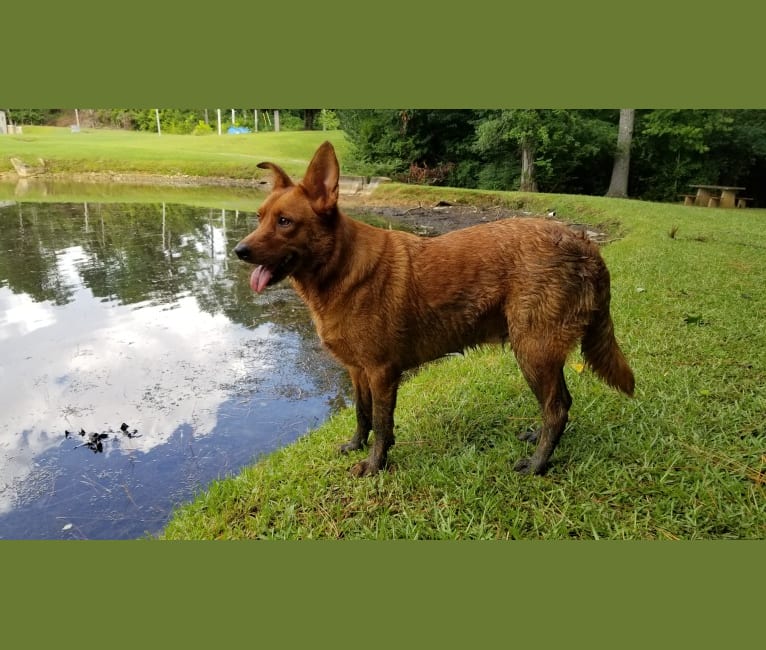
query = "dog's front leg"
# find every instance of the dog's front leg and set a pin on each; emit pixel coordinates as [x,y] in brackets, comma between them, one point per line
[363,400]
[384,384]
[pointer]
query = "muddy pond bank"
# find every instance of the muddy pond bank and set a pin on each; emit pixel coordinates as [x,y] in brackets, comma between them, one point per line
[432,219]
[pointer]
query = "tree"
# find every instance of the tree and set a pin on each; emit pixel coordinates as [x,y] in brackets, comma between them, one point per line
[378,138]
[618,186]
[328,120]
[527,182]
[675,148]
[521,128]
[309,116]
[526,129]
[545,150]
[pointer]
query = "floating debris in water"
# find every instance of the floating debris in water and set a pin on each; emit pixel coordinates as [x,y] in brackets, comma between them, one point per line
[130,434]
[95,440]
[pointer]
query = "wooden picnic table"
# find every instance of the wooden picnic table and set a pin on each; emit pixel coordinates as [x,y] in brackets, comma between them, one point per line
[714,196]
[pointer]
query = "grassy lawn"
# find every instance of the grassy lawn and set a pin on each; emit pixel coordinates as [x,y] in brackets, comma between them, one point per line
[684,459]
[99,150]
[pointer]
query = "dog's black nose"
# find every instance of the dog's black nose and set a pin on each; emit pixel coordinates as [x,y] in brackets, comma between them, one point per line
[242,251]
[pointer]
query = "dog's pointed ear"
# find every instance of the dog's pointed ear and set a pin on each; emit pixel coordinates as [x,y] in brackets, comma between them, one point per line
[321,179]
[281,179]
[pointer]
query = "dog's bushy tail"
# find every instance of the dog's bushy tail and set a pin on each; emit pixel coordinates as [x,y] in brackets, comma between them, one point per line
[599,345]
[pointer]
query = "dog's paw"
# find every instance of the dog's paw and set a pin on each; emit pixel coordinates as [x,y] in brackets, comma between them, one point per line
[527,466]
[363,468]
[531,435]
[523,466]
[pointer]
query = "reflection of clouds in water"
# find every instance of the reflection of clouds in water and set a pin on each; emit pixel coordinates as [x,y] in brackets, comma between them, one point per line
[94,365]
[19,315]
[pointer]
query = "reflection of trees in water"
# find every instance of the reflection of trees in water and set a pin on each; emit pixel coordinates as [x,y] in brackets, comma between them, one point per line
[122,250]
[29,243]
[130,252]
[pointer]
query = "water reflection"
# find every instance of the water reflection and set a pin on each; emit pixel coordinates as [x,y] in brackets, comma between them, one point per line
[126,313]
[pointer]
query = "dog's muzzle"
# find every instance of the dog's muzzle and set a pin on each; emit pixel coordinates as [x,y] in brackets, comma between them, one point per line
[243,252]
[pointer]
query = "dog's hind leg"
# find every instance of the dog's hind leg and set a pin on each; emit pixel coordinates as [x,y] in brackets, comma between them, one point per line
[545,376]
[363,400]
[384,384]
[533,435]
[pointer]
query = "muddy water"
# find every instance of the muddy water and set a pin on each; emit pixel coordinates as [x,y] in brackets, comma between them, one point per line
[136,365]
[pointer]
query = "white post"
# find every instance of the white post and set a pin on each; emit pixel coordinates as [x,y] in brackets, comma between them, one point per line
[157,113]
[218,112]
[233,119]
[255,119]
[276,121]
[77,118]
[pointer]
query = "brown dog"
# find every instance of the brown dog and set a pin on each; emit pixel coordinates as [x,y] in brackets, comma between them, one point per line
[384,301]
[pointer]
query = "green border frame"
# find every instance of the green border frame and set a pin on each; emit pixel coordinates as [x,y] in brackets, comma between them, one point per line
[587,54]
[382,594]
[345,54]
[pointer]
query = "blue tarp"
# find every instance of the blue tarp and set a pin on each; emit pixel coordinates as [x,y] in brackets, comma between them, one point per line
[234,130]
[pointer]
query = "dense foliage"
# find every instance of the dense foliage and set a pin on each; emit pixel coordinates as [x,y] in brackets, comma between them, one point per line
[571,151]
[547,150]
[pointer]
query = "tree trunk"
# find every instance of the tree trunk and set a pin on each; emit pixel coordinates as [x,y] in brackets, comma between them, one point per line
[618,186]
[309,115]
[528,182]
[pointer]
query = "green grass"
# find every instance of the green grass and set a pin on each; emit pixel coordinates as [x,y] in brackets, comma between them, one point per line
[684,459]
[107,150]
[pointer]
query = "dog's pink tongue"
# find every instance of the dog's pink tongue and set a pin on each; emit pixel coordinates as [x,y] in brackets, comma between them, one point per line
[259,278]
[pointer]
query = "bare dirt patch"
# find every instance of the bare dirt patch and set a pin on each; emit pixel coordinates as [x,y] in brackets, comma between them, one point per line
[441,217]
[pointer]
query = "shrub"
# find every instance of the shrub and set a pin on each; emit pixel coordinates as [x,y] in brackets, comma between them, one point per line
[290,122]
[328,120]
[202,128]
[425,175]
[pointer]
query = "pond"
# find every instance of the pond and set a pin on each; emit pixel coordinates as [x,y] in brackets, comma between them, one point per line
[137,366]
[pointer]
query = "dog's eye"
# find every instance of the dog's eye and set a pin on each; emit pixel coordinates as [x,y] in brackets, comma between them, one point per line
[284,222]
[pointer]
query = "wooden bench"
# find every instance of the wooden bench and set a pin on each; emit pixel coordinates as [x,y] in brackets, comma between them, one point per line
[742,201]
[688,198]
